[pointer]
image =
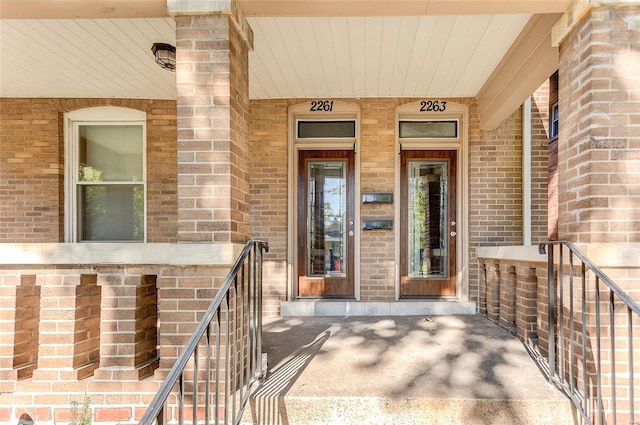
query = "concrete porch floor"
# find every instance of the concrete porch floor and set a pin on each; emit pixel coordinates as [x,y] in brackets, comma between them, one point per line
[400,370]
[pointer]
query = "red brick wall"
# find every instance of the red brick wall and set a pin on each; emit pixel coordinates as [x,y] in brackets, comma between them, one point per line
[31,171]
[495,190]
[268,183]
[32,167]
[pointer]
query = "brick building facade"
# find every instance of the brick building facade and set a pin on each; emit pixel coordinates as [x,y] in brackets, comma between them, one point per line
[107,319]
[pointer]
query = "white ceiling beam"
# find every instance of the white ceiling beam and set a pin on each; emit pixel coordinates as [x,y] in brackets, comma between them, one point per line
[93,9]
[399,7]
[82,9]
[528,63]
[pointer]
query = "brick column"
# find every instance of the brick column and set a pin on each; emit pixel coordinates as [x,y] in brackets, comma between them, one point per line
[69,346]
[493,291]
[213,40]
[9,281]
[507,296]
[599,141]
[526,302]
[129,323]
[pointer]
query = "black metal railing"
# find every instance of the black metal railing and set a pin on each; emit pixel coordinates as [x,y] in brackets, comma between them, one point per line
[590,354]
[212,377]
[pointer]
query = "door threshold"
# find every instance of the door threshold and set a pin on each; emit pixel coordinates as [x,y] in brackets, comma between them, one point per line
[343,308]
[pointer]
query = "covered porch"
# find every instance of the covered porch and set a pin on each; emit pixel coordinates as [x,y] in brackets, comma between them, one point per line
[219,166]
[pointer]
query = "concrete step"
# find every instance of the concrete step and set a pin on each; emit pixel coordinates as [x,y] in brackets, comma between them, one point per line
[439,370]
[414,411]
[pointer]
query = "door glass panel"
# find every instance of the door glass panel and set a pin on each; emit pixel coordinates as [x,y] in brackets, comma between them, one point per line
[326,218]
[427,226]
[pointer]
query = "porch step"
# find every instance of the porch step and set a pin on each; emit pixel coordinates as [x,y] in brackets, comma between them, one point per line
[416,411]
[347,308]
[440,370]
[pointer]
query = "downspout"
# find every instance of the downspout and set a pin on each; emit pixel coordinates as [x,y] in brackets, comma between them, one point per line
[526,171]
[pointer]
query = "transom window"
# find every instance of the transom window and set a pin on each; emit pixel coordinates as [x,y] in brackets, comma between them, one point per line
[105,175]
[326,129]
[428,129]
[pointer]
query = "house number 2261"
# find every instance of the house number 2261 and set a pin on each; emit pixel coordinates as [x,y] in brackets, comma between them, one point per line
[321,106]
[433,106]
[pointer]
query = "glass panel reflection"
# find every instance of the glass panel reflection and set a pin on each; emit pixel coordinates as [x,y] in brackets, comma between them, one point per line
[326,129]
[326,218]
[110,153]
[427,219]
[428,129]
[111,212]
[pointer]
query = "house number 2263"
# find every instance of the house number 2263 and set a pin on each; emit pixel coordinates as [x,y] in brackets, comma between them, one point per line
[321,106]
[433,106]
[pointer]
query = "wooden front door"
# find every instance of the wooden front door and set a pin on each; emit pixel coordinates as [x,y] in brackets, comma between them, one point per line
[428,224]
[326,202]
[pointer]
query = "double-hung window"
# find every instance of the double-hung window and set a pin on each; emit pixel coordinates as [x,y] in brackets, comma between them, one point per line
[105,175]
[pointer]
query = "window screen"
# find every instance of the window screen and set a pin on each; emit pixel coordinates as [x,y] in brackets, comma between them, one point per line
[429,129]
[326,129]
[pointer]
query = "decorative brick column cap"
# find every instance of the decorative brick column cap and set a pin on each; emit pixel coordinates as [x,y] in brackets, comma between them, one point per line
[230,8]
[577,11]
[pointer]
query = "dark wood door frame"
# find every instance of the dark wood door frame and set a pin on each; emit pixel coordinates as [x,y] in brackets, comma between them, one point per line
[325,286]
[432,287]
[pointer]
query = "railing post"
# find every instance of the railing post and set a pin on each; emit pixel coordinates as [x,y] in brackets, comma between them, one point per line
[552,311]
[229,348]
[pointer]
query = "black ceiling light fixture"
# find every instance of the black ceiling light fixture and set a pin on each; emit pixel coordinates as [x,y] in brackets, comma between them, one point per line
[165,55]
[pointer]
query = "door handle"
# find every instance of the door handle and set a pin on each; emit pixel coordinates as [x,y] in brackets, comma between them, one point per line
[453,234]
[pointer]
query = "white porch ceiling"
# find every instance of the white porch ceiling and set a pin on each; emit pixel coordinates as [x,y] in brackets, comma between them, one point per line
[378,56]
[390,56]
[84,58]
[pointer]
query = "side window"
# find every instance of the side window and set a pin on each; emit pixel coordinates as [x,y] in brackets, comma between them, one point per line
[105,175]
[554,114]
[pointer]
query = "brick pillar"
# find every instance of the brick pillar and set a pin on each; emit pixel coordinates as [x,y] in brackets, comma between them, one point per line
[213,40]
[9,281]
[184,294]
[507,296]
[69,345]
[599,141]
[129,324]
[493,291]
[526,303]
[482,288]
[25,353]
[543,310]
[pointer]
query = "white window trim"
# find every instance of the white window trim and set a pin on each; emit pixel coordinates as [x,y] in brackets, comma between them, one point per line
[97,115]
